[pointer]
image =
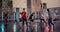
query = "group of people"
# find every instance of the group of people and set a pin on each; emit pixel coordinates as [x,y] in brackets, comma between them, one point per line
[21,18]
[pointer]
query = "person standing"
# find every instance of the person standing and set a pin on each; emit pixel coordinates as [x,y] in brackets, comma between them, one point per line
[31,21]
[46,16]
[23,14]
[50,20]
[5,20]
[17,14]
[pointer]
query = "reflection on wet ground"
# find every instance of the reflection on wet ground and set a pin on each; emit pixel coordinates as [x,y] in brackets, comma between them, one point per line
[13,26]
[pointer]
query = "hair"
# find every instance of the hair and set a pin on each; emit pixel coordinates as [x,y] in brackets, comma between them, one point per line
[23,8]
[44,3]
[48,10]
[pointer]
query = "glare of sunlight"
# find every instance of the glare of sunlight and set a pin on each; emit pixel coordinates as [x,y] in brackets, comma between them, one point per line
[14,27]
[2,27]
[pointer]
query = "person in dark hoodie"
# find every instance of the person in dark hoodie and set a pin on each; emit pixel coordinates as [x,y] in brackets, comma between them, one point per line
[49,20]
[31,21]
[31,17]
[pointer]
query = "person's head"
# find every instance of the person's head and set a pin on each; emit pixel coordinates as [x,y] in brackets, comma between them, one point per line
[48,10]
[32,13]
[23,8]
[17,9]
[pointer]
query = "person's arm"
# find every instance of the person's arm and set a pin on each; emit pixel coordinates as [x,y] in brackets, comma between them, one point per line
[20,13]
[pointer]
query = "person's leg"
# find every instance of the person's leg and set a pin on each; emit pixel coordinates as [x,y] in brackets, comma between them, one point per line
[21,22]
[49,28]
[25,25]
[32,27]
[41,25]
[49,24]
[5,24]
[22,25]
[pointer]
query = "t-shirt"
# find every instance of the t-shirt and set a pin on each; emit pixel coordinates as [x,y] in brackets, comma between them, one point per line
[6,15]
[31,16]
[23,15]
[46,14]
[16,16]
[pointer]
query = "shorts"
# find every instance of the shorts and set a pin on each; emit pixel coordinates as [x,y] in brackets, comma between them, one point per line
[31,20]
[24,20]
[20,19]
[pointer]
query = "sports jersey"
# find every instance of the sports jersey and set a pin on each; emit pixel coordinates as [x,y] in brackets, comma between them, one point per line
[23,15]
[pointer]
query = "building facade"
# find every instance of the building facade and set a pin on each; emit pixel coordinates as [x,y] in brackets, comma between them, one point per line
[6,5]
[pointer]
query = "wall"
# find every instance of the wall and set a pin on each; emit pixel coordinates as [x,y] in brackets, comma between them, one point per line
[20,4]
[52,3]
[35,5]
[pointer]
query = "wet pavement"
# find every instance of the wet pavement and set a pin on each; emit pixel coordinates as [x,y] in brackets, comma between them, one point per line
[13,27]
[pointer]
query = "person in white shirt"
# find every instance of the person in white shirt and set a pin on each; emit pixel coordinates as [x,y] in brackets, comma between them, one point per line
[20,17]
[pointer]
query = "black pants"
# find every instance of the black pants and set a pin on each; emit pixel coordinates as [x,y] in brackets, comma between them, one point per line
[24,20]
[50,23]
[42,28]
[5,21]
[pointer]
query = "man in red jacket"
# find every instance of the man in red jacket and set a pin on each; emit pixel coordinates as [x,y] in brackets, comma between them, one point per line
[23,13]
[24,19]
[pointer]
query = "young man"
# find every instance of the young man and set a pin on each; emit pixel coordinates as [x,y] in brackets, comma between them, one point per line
[17,15]
[24,19]
[23,13]
[5,20]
